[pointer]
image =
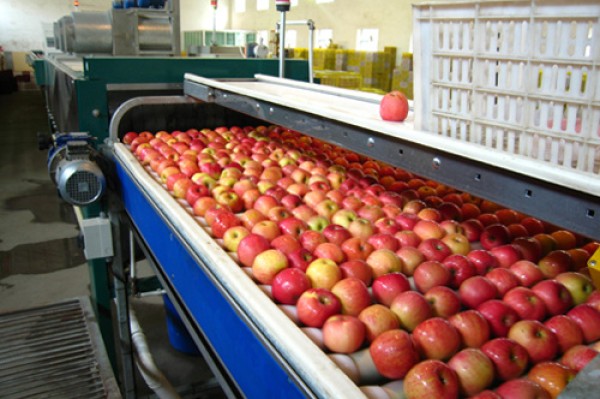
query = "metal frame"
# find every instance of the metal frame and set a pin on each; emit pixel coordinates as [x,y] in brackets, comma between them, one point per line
[565,207]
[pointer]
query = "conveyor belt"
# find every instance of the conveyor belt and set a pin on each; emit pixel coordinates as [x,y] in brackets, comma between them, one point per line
[54,351]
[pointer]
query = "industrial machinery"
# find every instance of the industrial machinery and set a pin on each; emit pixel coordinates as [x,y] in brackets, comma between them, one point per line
[251,343]
[79,179]
[219,304]
[122,32]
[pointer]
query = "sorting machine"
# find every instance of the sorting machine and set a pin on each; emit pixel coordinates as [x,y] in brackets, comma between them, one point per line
[249,342]
[255,349]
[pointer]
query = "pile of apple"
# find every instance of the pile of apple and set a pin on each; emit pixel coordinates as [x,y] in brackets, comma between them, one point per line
[410,286]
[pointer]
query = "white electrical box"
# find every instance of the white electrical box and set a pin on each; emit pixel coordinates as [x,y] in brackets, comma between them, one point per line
[97,238]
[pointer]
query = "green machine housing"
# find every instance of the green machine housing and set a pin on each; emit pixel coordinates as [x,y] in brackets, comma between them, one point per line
[82,94]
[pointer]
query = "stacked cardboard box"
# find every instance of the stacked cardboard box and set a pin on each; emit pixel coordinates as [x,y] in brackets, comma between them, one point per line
[374,67]
[324,59]
[344,79]
[403,76]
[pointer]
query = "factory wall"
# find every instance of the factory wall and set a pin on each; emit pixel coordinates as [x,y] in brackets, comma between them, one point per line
[344,17]
[198,15]
[22,23]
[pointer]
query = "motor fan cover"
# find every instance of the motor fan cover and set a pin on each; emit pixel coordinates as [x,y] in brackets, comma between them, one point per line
[80,182]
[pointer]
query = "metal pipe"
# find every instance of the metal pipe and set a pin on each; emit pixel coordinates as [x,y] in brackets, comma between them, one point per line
[282,45]
[154,378]
[132,271]
[311,29]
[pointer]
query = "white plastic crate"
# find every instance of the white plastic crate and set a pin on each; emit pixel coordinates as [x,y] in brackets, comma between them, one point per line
[521,77]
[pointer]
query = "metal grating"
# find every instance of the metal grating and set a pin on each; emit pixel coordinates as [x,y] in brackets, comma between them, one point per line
[54,351]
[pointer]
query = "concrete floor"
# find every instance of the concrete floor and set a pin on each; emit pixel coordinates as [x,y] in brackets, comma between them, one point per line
[40,260]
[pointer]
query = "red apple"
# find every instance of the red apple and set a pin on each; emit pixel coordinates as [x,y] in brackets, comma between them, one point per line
[316,305]
[530,248]
[407,238]
[472,327]
[336,234]
[300,259]
[494,235]
[194,192]
[393,106]
[343,333]
[328,250]
[534,226]
[510,358]
[411,258]
[357,268]
[588,318]
[436,338]
[556,297]
[567,332]
[266,228]
[353,295]
[386,225]
[286,243]
[578,356]
[411,308]
[393,353]
[552,376]
[476,290]
[555,263]
[474,369]
[303,212]
[223,221]
[250,246]
[539,341]
[506,254]
[377,320]
[288,285]
[526,303]
[386,287]
[250,217]
[406,220]
[383,261]
[503,279]
[460,267]
[483,261]
[431,379]
[292,226]
[522,388]
[426,229]
[430,274]
[444,301]
[434,249]
[311,239]
[527,272]
[267,264]
[384,241]
[499,315]
[594,300]
[265,202]
[356,248]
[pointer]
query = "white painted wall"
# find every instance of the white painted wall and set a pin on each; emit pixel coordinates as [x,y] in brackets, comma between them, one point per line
[21,21]
[393,18]
[198,15]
